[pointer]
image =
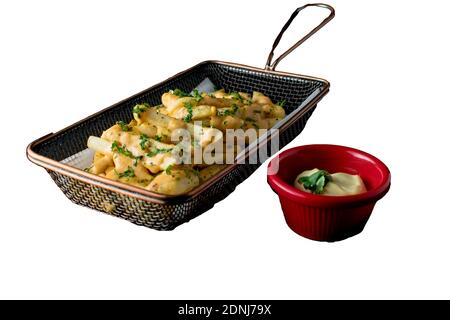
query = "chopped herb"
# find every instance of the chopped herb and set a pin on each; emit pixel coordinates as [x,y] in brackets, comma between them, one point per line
[229,112]
[129,173]
[136,159]
[139,108]
[250,119]
[196,95]
[143,141]
[281,103]
[212,95]
[160,137]
[179,93]
[255,125]
[248,102]
[237,96]
[189,171]
[225,122]
[316,182]
[157,151]
[256,111]
[169,169]
[88,169]
[122,150]
[124,126]
[188,107]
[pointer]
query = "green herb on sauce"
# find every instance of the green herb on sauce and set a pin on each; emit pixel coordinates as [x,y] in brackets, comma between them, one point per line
[121,149]
[123,126]
[179,93]
[237,96]
[143,141]
[188,117]
[157,151]
[191,171]
[124,151]
[136,159]
[230,112]
[196,95]
[139,108]
[169,169]
[129,173]
[316,182]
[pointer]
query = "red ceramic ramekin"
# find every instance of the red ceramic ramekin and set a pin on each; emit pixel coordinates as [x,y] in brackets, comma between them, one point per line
[327,218]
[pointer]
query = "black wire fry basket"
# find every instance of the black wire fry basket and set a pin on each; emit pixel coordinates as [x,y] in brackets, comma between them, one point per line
[59,152]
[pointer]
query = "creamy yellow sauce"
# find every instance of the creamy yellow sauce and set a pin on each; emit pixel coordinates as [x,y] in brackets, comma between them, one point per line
[340,184]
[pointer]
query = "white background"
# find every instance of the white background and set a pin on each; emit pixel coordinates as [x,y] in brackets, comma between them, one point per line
[388,64]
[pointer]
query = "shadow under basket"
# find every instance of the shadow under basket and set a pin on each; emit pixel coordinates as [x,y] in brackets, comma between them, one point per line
[161,212]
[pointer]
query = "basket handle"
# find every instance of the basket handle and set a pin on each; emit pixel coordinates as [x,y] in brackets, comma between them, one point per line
[271,66]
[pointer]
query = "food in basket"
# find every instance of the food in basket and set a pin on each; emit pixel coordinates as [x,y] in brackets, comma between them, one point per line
[335,184]
[142,152]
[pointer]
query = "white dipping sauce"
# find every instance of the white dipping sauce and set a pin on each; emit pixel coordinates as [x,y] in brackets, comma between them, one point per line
[341,184]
